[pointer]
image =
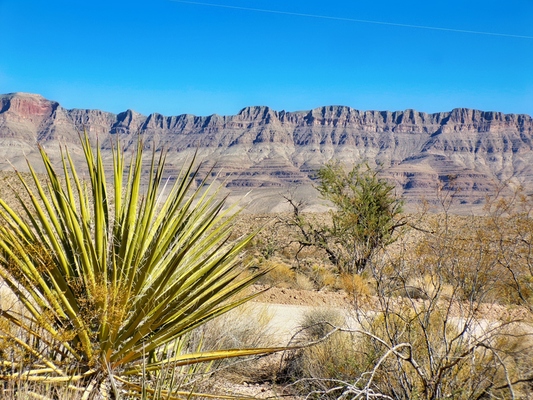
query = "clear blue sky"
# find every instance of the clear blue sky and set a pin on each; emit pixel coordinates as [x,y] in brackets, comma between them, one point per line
[174,57]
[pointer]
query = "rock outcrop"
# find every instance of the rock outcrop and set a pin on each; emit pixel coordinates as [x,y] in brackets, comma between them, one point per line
[275,151]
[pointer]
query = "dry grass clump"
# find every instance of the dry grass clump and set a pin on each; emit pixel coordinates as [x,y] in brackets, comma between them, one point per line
[244,327]
[320,367]
[321,276]
[280,274]
[303,282]
[356,285]
[310,277]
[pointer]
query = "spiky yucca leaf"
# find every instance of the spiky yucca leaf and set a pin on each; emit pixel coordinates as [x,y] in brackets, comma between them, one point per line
[107,277]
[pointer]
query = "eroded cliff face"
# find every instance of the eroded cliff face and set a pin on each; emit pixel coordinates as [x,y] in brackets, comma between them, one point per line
[277,151]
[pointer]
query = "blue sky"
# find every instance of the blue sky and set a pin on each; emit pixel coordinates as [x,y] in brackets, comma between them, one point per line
[176,57]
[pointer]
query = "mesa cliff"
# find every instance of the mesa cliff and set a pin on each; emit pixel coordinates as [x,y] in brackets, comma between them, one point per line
[276,152]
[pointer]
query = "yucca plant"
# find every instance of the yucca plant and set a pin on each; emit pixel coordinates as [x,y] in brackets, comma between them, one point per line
[110,277]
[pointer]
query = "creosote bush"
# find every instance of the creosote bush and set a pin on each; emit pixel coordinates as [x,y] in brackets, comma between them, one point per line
[366,215]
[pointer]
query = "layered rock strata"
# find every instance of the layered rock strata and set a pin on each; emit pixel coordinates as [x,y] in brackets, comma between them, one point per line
[276,151]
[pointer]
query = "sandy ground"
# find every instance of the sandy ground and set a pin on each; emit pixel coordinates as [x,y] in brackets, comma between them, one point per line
[287,307]
[294,297]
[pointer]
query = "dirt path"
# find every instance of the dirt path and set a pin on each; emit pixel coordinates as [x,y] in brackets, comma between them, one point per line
[294,297]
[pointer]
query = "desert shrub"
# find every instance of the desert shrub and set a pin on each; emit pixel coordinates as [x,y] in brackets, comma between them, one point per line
[113,278]
[509,222]
[411,350]
[366,215]
[440,361]
[438,327]
[439,307]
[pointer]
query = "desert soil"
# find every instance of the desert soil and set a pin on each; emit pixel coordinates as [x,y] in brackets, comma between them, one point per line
[295,297]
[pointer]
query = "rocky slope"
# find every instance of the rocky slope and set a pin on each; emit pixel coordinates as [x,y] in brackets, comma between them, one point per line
[276,151]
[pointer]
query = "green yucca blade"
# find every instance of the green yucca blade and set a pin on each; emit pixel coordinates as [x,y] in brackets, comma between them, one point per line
[67,242]
[206,356]
[166,227]
[185,325]
[153,304]
[34,280]
[149,278]
[141,241]
[101,214]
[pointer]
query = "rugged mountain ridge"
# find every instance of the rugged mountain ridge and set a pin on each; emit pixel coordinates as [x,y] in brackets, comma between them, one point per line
[278,150]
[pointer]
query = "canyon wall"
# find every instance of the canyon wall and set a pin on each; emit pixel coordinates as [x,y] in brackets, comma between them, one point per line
[276,152]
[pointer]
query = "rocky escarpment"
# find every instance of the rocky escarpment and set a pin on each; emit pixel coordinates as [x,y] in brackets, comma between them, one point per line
[273,151]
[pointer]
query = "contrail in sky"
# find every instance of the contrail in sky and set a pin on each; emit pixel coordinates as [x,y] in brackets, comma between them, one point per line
[364,21]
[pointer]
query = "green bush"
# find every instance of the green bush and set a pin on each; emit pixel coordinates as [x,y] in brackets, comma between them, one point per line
[365,217]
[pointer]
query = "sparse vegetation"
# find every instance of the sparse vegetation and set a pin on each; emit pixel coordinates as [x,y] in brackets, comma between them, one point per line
[442,312]
[448,319]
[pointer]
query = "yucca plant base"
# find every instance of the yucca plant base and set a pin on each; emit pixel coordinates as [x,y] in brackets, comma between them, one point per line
[107,291]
